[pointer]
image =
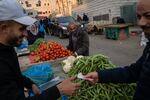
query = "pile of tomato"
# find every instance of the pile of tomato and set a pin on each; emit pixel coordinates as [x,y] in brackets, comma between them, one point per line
[50,51]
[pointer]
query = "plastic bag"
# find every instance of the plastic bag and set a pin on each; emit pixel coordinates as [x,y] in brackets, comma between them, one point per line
[40,73]
[144,40]
[24,44]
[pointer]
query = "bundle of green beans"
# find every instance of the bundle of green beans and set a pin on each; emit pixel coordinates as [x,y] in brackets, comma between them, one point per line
[99,91]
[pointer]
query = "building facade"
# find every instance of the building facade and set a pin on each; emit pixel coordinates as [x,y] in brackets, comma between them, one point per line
[64,7]
[106,9]
[36,7]
[48,7]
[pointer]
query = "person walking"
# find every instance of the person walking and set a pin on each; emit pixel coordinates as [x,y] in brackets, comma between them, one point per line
[85,18]
[79,19]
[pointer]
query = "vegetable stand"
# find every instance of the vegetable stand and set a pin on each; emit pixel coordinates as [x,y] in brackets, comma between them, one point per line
[55,65]
[108,91]
[44,52]
[98,91]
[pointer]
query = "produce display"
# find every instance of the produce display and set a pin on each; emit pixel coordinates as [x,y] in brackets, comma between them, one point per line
[98,91]
[34,46]
[43,51]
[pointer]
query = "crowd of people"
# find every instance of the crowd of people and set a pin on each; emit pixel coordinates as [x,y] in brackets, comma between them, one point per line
[13,24]
[84,20]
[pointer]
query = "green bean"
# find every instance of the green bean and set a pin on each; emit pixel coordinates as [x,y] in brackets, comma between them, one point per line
[99,91]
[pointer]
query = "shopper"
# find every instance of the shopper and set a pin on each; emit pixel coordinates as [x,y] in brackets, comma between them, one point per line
[13,23]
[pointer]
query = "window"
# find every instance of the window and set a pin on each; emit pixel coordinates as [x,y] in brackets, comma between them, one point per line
[38,5]
[45,4]
[39,2]
[28,5]
[26,2]
[101,17]
[80,2]
[39,12]
[30,13]
[67,19]
[48,4]
[49,11]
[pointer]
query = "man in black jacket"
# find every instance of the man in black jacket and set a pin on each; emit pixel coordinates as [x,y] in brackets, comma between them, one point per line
[13,23]
[138,72]
[78,40]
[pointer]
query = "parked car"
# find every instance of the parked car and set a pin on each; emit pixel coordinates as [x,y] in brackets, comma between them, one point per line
[60,24]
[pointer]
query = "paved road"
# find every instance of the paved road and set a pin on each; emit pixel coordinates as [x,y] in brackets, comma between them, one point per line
[119,52]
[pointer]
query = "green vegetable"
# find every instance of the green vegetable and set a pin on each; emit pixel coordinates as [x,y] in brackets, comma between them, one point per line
[99,91]
[35,45]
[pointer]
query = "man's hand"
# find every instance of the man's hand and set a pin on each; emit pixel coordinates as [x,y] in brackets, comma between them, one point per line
[35,89]
[75,54]
[67,87]
[93,76]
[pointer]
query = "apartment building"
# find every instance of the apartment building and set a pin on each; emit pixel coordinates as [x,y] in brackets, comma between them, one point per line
[64,7]
[37,7]
[48,7]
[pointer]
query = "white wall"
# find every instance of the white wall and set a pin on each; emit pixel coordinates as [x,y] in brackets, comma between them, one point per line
[99,7]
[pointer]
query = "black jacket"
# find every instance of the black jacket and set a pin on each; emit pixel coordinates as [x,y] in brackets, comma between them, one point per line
[79,42]
[138,72]
[12,82]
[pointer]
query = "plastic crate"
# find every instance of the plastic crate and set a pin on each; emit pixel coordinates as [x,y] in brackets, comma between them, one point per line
[116,32]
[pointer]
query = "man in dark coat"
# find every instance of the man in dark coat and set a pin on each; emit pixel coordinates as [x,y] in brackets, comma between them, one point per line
[78,40]
[138,72]
[13,23]
[85,17]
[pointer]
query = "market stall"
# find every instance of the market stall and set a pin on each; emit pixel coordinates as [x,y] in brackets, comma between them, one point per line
[42,64]
[105,91]
[39,72]
[118,31]
[44,52]
[68,66]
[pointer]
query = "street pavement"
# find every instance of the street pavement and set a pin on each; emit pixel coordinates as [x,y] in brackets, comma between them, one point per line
[120,52]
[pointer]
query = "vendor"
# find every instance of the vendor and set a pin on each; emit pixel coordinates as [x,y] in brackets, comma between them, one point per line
[78,40]
[33,34]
